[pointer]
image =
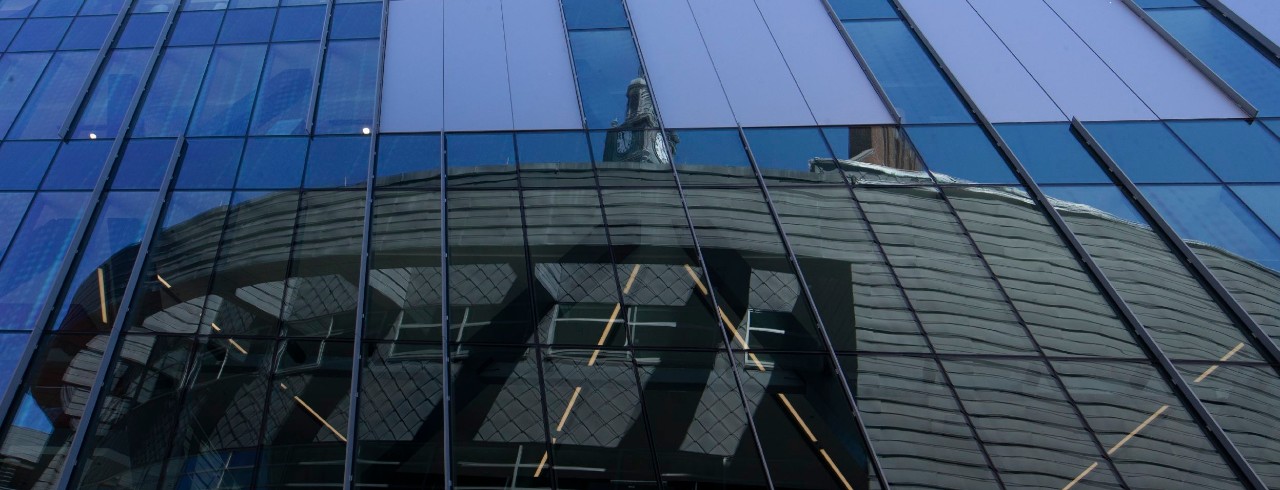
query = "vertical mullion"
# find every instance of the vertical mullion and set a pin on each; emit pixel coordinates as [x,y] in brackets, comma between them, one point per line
[103,53]
[446,376]
[313,102]
[362,297]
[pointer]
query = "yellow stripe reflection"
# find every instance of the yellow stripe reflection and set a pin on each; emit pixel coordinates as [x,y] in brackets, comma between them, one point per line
[102,295]
[163,282]
[1135,430]
[1081,476]
[796,416]
[572,400]
[725,319]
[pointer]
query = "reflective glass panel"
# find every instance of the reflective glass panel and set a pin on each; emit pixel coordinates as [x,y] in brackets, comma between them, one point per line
[168,101]
[346,91]
[1236,150]
[24,162]
[906,72]
[285,93]
[1149,152]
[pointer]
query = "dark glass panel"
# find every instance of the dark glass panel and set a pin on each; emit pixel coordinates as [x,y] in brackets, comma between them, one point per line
[356,21]
[400,443]
[285,93]
[1059,302]
[93,290]
[12,345]
[806,425]
[169,99]
[594,14]
[633,157]
[712,157]
[46,111]
[78,165]
[1028,425]
[575,287]
[960,305]
[662,281]
[759,295]
[481,160]
[1167,448]
[320,294]
[304,439]
[489,283]
[596,419]
[876,155]
[227,94]
[13,206]
[174,285]
[346,91]
[960,154]
[141,31]
[793,155]
[1150,152]
[853,288]
[143,164]
[111,95]
[863,9]
[559,159]
[1164,295]
[35,254]
[1053,154]
[337,161]
[128,442]
[253,265]
[196,28]
[88,32]
[209,163]
[1236,150]
[20,73]
[607,66]
[698,422]
[1227,52]
[499,435]
[409,160]
[920,432]
[247,26]
[906,72]
[40,34]
[299,24]
[404,272]
[23,163]
[47,409]
[1242,400]
[272,163]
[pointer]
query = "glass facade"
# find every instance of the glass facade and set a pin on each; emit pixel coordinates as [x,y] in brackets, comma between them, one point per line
[639,244]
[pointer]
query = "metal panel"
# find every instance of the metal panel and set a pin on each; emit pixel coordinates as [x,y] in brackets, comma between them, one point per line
[1167,82]
[685,83]
[981,63]
[477,96]
[829,77]
[542,86]
[1260,16]
[1081,84]
[413,80]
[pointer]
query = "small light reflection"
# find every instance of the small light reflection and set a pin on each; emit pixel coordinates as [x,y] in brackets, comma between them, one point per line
[93,136]
[365,130]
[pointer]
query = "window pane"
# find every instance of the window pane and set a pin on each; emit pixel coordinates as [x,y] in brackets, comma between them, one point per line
[1149,152]
[1052,153]
[285,93]
[607,65]
[172,92]
[52,98]
[247,26]
[272,163]
[38,249]
[88,32]
[401,414]
[410,159]
[143,164]
[299,24]
[227,95]
[112,92]
[196,28]
[141,31]
[489,283]
[337,161]
[40,35]
[497,402]
[594,14]
[356,21]
[404,276]
[78,165]
[304,439]
[907,74]
[24,162]
[209,163]
[960,154]
[1227,53]
[20,73]
[1236,150]
[346,92]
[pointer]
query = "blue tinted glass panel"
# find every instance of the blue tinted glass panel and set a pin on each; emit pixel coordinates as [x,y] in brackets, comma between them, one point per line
[1230,56]
[285,93]
[863,9]
[12,345]
[19,72]
[247,26]
[1052,154]
[56,8]
[407,153]
[8,29]
[152,6]
[143,164]
[112,92]
[594,14]
[15,8]
[88,32]
[101,7]
[272,163]
[566,147]
[356,21]
[1264,200]
[685,82]
[34,256]
[40,34]
[466,150]
[227,96]
[12,207]
[23,163]
[1105,198]
[789,149]
[141,31]
[337,161]
[246,4]
[299,24]
[78,165]
[960,152]
[907,74]
[209,163]
[1236,150]
[53,97]
[346,92]
[607,63]
[196,28]
[711,147]
[1149,152]
[1213,215]
[172,93]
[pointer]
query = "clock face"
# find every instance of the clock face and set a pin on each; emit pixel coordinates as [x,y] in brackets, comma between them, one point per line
[660,146]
